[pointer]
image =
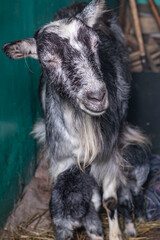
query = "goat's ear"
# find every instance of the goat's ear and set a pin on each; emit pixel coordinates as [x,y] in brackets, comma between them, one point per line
[21,49]
[92,12]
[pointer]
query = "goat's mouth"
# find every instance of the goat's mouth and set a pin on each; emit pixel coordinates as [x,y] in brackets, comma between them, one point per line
[91,109]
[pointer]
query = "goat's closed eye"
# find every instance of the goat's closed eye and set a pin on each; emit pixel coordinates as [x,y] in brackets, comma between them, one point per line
[50,60]
[53,60]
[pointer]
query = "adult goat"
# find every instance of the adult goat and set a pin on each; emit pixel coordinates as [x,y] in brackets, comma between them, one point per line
[84,92]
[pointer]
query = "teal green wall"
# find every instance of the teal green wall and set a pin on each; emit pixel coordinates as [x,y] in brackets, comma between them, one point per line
[18,96]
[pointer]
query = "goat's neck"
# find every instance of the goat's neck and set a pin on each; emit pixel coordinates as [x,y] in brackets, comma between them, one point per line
[80,129]
[85,129]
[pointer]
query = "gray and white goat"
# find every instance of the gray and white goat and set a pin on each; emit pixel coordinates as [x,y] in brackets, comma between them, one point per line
[74,203]
[84,92]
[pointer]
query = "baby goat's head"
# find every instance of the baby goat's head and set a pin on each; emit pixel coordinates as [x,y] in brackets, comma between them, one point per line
[68,53]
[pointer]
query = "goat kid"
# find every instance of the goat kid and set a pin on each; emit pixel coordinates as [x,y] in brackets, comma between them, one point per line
[84,92]
[75,201]
[135,152]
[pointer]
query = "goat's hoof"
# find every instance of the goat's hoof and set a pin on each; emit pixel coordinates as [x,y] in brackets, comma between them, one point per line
[110,203]
[141,219]
[116,237]
[98,238]
[130,230]
[95,237]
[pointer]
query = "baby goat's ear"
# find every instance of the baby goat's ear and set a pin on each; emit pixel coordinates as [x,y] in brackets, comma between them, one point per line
[21,49]
[92,12]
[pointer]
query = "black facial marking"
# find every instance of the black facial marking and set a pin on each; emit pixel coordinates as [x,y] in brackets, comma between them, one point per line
[83,37]
[52,43]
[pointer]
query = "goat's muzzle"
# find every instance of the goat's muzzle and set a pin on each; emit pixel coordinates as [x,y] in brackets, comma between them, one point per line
[94,103]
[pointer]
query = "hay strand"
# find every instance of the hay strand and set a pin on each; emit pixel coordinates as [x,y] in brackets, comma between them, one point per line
[25,231]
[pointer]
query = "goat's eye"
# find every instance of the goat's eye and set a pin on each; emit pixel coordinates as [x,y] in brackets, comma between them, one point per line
[50,60]
[53,60]
[47,60]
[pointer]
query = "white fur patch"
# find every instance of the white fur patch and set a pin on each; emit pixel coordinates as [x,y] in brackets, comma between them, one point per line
[39,131]
[65,31]
[114,230]
[133,135]
[90,143]
[94,237]
[43,97]
[130,229]
[83,136]
[110,187]
[96,199]
[108,174]
[58,167]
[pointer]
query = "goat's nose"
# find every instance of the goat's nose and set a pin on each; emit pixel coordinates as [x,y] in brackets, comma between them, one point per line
[96,96]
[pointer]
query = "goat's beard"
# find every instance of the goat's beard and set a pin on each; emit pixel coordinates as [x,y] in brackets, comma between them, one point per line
[91,141]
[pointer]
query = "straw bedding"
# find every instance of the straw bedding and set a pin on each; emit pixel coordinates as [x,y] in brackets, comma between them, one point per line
[30,231]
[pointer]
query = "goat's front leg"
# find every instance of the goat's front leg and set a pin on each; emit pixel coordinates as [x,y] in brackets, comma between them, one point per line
[110,205]
[125,207]
[92,224]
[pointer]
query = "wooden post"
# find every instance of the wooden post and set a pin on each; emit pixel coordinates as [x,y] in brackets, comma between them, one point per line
[138,31]
[154,11]
[121,13]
